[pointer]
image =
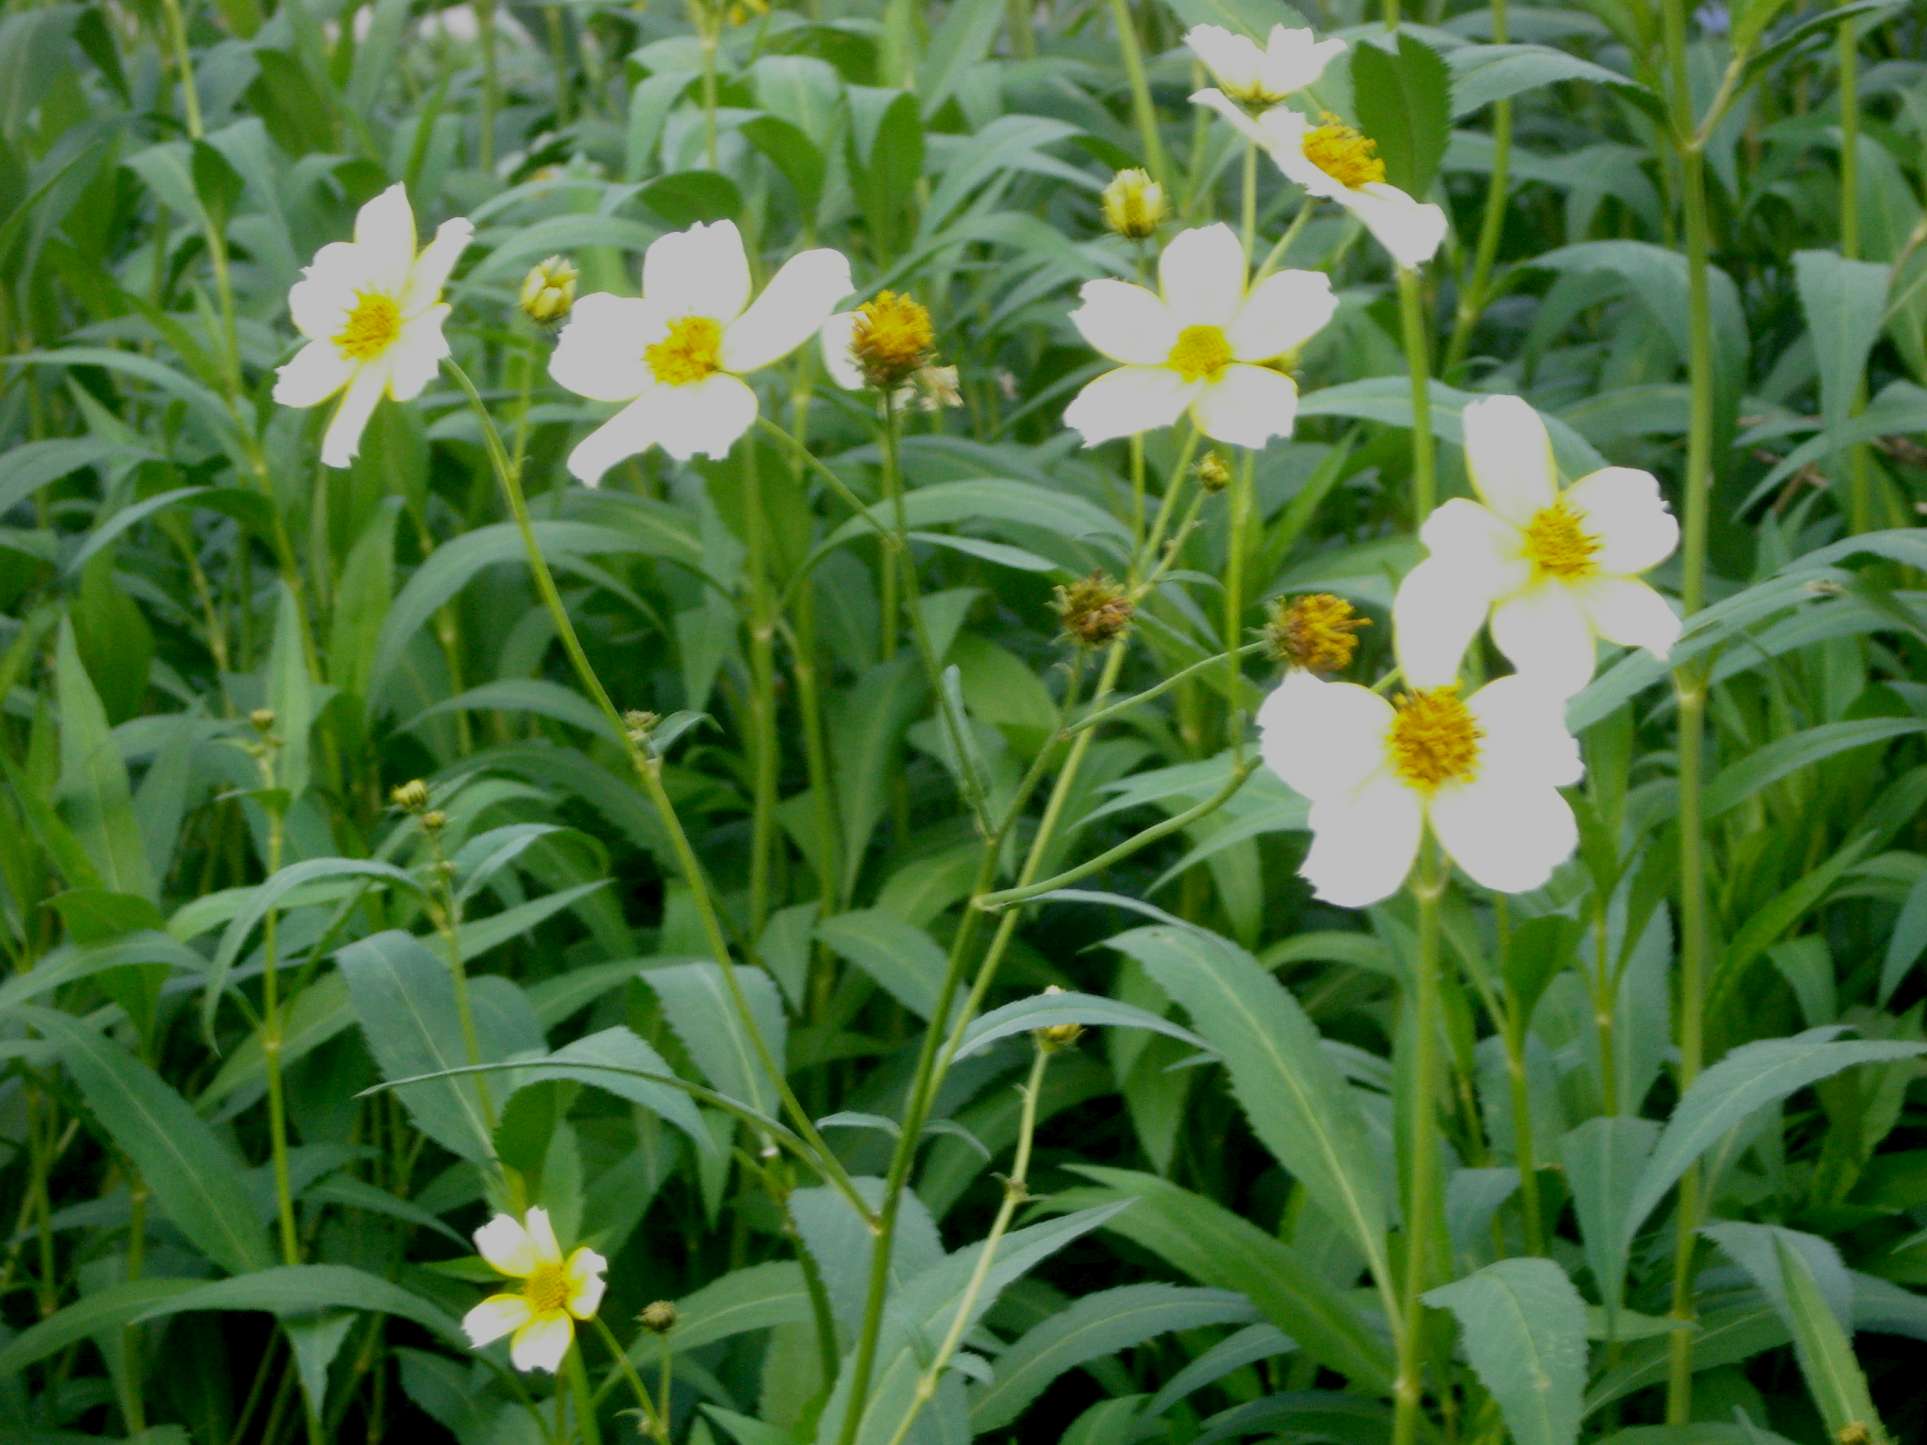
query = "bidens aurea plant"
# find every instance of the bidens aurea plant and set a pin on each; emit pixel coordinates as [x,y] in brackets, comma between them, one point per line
[858,723]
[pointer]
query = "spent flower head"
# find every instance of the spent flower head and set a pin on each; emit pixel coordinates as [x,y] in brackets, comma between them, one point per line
[548,291]
[1133,204]
[1094,609]
[1318,632]
[1214,472]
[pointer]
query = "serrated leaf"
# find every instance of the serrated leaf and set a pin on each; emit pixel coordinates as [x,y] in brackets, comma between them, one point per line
[1404,103]
[1523,1326]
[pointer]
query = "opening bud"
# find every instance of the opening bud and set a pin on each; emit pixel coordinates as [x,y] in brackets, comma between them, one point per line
[1133,204]
[548,291]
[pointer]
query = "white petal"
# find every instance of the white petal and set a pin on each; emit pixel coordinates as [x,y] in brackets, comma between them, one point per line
[313,374]
[698,272]
[1202,276]
[321,300]
[1627,611]
[586,1284]
[1125,322]
[506,1245]
[385,235]
[438,258]
[1323,738]
[1363,842]
[1436,613]
[496,1316]
[1282,313]
[1463,536]
[342,440]
[1623,508]
[1507,835]
[1547,636]
[542,1236]
[1216,100]
[628,432]
[599,353]
[1525,732]
[1411,230]
[1127,401]
[838,359]
[542,1342]
[792,308]
[1295,59]
[417,353]
[1232,59]
[1509,457]
[1247,406]
[703,419]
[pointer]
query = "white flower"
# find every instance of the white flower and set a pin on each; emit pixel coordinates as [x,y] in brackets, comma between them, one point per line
[1553,568]
[677,353]
[372,311]
[1338,163]
[555,1291]
[1290,61]
[1482,773]
[1201,342]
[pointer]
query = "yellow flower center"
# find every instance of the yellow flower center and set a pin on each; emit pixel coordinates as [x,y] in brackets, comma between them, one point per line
[371,327]
[548,1288]
[892,338]
[1558,545]
[1344,153]
[692,350]
[1201,353]
[1434,739]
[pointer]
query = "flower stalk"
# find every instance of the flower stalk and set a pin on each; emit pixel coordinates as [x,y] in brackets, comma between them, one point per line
[1411,309]
[1421,1159]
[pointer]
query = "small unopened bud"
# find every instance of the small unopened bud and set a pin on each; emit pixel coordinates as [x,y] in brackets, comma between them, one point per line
[1053,1037]
[1133,204]
[410,797]
[1317,633]
[639,724]
[1214,472]
[892,339]
[659,1318]
[1854,1432]
[262,719]
[434,820]
[1095,610]
[548,291]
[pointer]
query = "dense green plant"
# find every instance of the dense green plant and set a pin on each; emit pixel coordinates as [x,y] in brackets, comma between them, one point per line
[831,883]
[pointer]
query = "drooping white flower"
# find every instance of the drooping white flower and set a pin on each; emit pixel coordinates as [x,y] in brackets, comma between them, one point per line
[1289,61]
[1201,343]
[1482,773]
[1554,569]
[1337,162]
[372,311]
[677,354]
[555,1291]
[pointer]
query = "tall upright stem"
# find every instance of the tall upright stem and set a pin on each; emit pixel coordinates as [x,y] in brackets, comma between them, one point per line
[271,1038]
[1472,293]
[1237,522]
[491,82]
[1411,308]
[1144,112]
[1248,215]
[1421,1151]
[184,63]
[762,696]
[1859,480]
[1689,683]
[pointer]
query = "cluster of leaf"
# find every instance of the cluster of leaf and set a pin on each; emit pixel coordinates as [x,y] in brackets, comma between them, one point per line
[1193,1267]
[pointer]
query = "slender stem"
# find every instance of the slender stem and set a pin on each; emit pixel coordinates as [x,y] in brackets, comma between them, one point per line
[1428,886]
[762,696]
[271,1024]
[1015,1193]
[1859,479]
[1142,110]
[1249,214]
[658,1427]
[890,576]
[1136,699]
[710,40]
[184,63]
[491,83]
[1690,686]
[584,1401]
[1605,1004]
[1474,290]
[1412,317]
[1237,523]
[1522,1142]
[448,923]
[1276,254]
[648,770]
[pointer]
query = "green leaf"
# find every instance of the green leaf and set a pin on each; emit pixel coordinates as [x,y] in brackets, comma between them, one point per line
[1833,1376]
[97,1313]
[1482,74]
[195,1178]
[591,1059]
[294,1289]
[904,960]
[1845,303]
[696,999]
[1907,942]
[1048,1010]
[1097,1325]
[760,1297]
[1404,103]
[1773,761]
[291,695]
[1242,17]
[1297,1100]
[93,795]
[1602,1158]
[1523,1326]
[969,29]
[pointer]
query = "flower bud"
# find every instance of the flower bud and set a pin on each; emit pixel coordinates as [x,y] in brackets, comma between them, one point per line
[1094,609]
[1317,633]
[892,340]
[548,291]
[1214,472]
[1053,1037]
[639,725]
[1133,204]
[660,1317]
[410,797]
[434,820]
[262,719]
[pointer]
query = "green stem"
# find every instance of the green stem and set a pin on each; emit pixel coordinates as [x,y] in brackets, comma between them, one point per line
[448,925]
[1283,245]
[648,771]
[1411,308]
[1237,523]
[1142,109]
[1859,478]
[658,1426]
[1428,886]
[491,83]
[762,697]
[710,40]
[1136,699]
[1473,293]
[584,1401]
[271,1034]
[1522,1142]
[1249,213]
[184,63]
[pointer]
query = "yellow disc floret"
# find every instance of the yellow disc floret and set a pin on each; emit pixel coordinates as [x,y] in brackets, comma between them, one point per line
[1200,354]
[1344,153]
[1434,739]
[892,339]
[1559,545]
[1317,633]
[691,351]
[371,328]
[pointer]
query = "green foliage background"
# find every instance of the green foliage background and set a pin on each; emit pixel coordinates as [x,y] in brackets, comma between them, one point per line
[1214,1181]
